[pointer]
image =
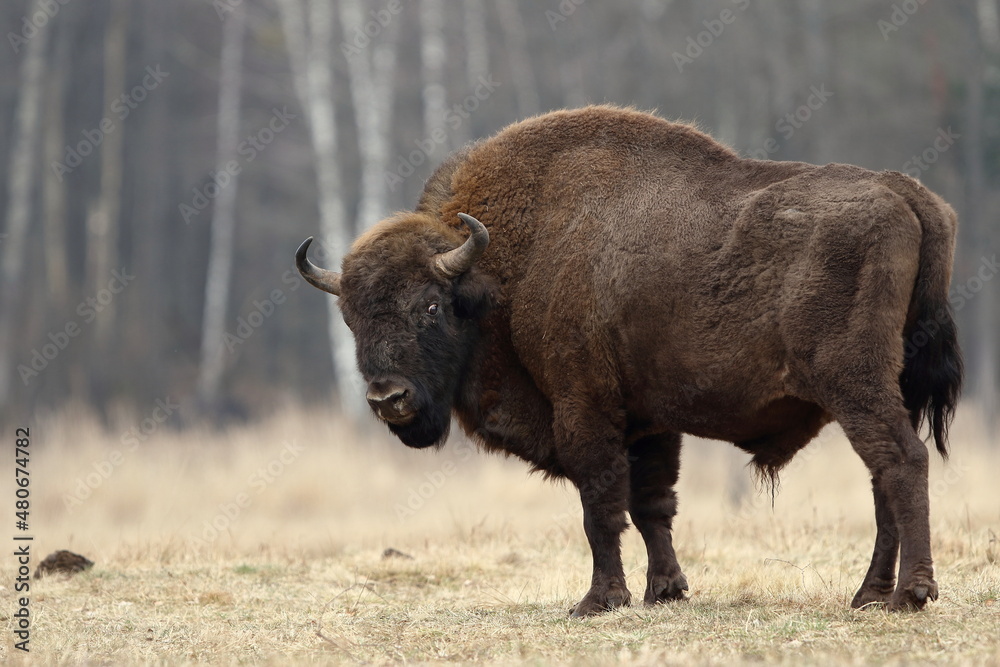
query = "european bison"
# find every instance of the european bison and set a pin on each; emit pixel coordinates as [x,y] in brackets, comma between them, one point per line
[629,279]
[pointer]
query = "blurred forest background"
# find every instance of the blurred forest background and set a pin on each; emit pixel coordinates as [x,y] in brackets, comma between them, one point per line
[161,161]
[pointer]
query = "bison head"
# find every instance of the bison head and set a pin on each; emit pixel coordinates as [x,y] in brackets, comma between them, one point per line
[412,296]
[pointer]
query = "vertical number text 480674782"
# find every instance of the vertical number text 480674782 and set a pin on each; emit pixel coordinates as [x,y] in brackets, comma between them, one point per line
[22,538]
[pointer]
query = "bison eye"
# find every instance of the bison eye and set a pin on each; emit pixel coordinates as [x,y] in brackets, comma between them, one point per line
[432,309]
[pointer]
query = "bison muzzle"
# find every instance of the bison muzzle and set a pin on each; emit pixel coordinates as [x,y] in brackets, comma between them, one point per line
[587,285]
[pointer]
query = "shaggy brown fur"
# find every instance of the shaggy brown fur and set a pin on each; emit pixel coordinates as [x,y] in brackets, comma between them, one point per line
[643,281]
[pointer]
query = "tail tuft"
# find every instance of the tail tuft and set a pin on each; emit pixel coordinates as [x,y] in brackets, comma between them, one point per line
[931,380]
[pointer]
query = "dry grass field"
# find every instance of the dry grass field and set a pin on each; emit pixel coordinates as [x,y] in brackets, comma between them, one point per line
[264,544]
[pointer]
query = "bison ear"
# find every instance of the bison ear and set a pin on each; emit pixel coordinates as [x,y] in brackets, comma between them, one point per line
[473,294]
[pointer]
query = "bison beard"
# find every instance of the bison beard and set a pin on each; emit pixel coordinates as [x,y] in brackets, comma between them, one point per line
[626,280]
[429,427]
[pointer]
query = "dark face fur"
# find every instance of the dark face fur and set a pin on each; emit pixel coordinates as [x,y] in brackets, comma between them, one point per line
[415,329]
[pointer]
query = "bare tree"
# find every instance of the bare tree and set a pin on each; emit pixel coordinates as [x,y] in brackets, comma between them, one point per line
[311,60]
[989,24]
[477,42]
[153,248]
[20,187]
[220,260]
[477,58]
[779,63]
[515,40]
[372,86]
[102,222]
[983,338]
[432,57]
[571,64]
[817,46]
[54,189]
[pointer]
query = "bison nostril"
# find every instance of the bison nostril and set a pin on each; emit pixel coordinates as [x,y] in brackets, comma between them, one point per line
[380,398]
[389,403]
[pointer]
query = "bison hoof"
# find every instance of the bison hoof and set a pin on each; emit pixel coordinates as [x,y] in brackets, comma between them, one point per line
[665,588]
[598,601]
[874,595]
[914,596]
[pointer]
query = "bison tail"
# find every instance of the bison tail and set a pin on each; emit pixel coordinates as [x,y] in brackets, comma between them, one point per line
[931,380]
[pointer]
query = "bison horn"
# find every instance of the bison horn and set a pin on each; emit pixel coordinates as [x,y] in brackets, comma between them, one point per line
[456,262]
[328,281]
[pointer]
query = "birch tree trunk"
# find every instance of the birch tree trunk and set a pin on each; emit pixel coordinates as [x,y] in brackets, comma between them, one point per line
[102,223]
[983,358]
[989,24]
[778,59]
[20,182]
[515,40]
[432,55]
[572,55]
[54,189]
[477,58]
[372,87]
[819,145]
[220,260]
[153,248]
[312,68]
[477,42]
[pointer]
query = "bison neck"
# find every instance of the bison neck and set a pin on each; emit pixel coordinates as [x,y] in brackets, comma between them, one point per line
[500,407]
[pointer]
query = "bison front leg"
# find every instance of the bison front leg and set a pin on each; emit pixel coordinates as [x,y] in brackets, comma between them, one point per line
[654,466]
[602,478]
